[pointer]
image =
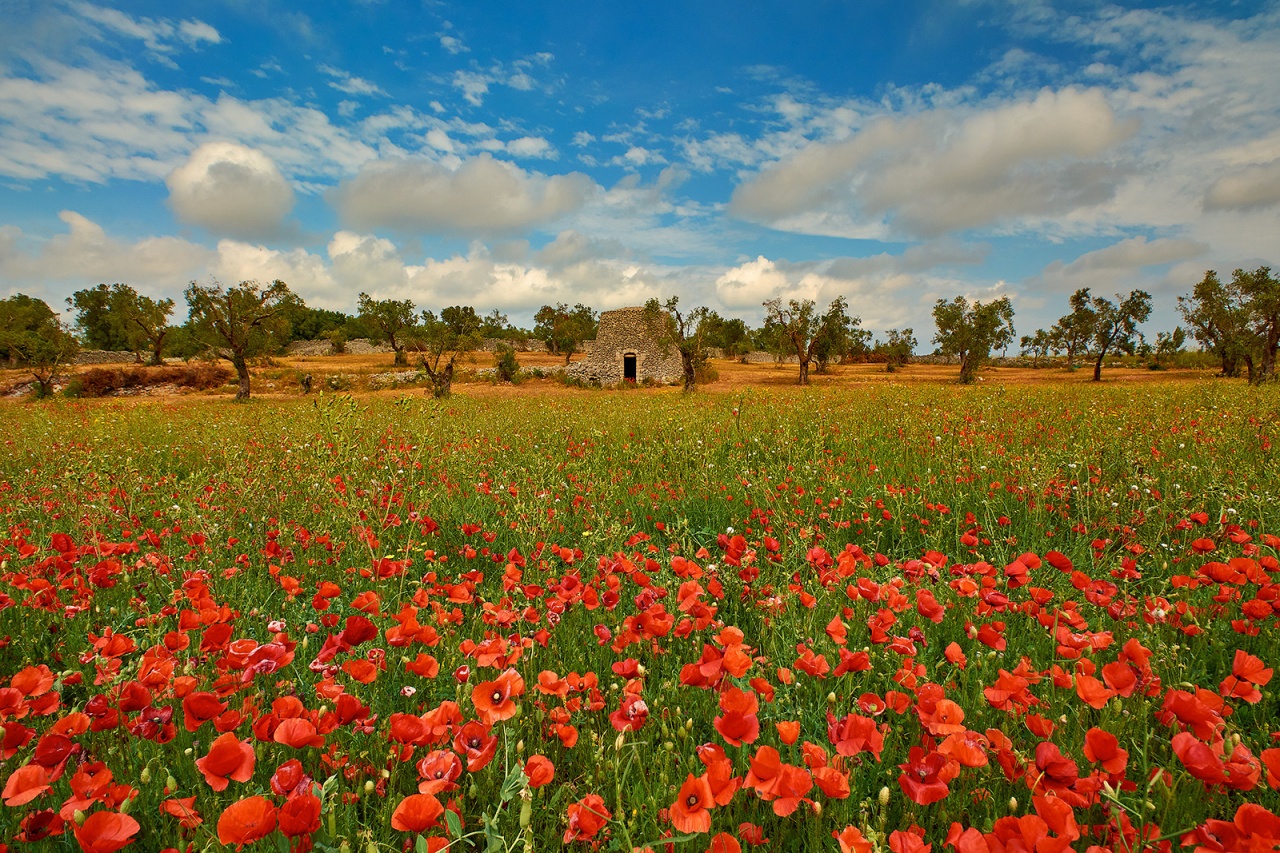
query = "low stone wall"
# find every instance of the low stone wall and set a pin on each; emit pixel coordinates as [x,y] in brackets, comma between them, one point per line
[526,345]
[102,356]
[761,357]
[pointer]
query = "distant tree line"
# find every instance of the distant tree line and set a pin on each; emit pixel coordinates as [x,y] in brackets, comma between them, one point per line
[1238,321]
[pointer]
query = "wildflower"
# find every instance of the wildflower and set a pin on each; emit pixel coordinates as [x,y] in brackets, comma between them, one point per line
[586,818]
[246,821]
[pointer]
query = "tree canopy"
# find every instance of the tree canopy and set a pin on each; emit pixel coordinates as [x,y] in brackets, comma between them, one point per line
[970,332]
[34,338]
[241,322]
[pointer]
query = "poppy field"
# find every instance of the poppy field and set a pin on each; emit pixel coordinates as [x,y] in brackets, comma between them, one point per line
[907,619]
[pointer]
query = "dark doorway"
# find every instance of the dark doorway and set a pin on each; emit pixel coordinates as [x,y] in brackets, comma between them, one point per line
[629,367]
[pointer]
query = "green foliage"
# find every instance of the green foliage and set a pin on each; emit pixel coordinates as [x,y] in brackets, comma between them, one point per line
[798,328]
[1038,346]
[34,338]
[442,341]
[117,317]
[731,336]
[314,324]
[506,367]
[564,328]
[897,348]
[1115,325]
[390,320]
[241,322]
[683,330]
[970,332]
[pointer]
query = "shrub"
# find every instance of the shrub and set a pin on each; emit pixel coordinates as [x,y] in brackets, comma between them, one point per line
[505,364]
[101,381]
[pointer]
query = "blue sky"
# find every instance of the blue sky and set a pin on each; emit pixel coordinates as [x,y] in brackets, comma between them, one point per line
[511,155]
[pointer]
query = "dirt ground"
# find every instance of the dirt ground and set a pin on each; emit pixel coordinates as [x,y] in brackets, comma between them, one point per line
[278,379]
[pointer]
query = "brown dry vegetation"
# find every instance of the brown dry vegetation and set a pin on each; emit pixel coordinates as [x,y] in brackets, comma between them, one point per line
[279,377]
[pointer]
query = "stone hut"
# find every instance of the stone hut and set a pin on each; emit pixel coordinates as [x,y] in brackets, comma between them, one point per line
[625,350]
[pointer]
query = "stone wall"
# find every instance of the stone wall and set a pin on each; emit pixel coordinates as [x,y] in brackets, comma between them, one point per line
[762,357]
[527,345]
[102,356]
[627,332]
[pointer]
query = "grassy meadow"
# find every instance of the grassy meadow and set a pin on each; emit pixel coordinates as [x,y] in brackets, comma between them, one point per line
[872,617]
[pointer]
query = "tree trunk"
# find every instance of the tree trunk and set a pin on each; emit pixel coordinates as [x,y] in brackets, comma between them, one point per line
[568,354]
[804,372]
[968,369]
[242,373]
[442,382]
[1097,366]
[401,359]
[690,377]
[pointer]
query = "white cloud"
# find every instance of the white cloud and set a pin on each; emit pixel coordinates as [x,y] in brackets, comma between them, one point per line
[230,189]
[85,256]
[349,84]
[483,195]
[1123,266]
[946,170]
[158,35]
[1249,188]
[531,147]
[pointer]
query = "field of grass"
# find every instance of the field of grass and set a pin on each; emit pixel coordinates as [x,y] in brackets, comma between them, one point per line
[1018,616]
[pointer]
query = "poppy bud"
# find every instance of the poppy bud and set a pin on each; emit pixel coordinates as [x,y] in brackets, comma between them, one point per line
[368,786]
[462,673]
[817,807]
[520,747]
[831,698]
[170,783]
[618,741]
[1013,805]
[526,809]
[126,805]
[145,776]
[884,796]
[79,817]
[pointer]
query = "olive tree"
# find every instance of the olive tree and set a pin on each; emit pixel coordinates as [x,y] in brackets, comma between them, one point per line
[34,338]
[806,333]
[442,341]
[969,332]
[564,328]
[685,331]
[239,323]
[1116,325]
[391,320]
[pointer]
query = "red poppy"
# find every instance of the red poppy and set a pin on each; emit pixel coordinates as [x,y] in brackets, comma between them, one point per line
[1102,747]
[586,818]
[495,700]
[539,770]
[245,821]
[200,707]
[738,723]
[631,715]
[474,743]
[300,815]
[229,758]
[297,733]
[852,840]
[723,842]
[106,832]
[25,784]
[439,771]
[417,813]
[691,810]
[788,731]
[184,809]
[925,776]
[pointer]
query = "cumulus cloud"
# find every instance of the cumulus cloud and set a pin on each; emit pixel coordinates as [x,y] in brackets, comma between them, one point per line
[947,170]
[1251,188]
[481,196]
[1120,266]
[231,190]
[85,255]
[884,290]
